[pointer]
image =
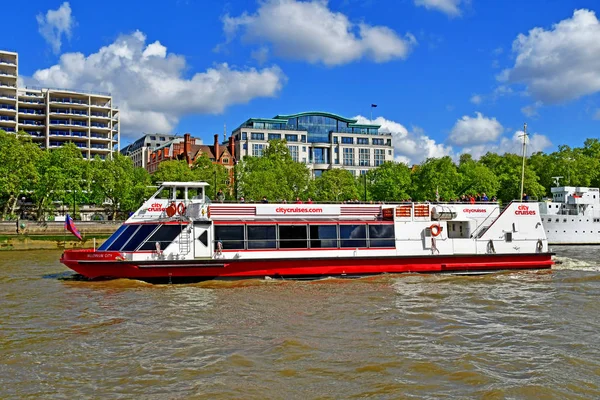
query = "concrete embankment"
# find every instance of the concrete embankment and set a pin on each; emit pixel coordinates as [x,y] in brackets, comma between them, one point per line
[33,235]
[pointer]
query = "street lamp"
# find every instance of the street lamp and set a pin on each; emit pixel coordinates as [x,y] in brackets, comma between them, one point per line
[23,207]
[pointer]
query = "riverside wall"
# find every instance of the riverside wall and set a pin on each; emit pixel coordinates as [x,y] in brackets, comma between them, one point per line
[33,235]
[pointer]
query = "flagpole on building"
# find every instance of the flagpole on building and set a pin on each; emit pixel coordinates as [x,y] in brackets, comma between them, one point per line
[372,107]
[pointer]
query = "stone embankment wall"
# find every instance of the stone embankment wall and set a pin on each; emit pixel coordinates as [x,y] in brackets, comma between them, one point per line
[52,235]
[57,228]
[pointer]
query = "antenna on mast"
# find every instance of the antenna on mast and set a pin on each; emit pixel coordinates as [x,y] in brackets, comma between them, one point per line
[556,179]
[524,136]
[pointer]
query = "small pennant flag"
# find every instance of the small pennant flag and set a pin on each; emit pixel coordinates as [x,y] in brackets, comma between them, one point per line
[70,226]
[373,105]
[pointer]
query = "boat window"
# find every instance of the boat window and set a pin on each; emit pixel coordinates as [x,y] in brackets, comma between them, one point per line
[164,235]
[125,236]
[353,236]
[381,236]
[231,236]
[323,236]
[112,237]
[261,237]
[293,237]
[164,193]
[141,235]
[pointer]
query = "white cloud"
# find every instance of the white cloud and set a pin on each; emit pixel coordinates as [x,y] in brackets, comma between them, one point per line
[411,147]
[476,99]
[55,24]
[148,84]
[532,109]
[475,130]
[535,142]
[448,7]
[559,64]
[310,31]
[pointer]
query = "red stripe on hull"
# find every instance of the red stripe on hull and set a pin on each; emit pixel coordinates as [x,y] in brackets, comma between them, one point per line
[111,267]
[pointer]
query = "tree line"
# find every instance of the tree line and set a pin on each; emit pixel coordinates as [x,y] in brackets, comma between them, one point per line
[47,179]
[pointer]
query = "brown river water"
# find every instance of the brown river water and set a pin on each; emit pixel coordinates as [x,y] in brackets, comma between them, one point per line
[518,335]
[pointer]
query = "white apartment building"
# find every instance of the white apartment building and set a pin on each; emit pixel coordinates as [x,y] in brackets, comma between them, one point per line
[54,117]
[319,139]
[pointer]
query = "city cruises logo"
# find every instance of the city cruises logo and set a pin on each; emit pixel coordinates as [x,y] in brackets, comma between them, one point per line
[156,207]
[474,210]
[524,210]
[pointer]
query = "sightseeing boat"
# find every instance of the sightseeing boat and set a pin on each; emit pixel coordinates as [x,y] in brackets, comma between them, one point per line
[178,234]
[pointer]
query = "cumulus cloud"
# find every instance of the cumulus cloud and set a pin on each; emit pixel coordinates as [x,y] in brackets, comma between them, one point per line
[411,147]
[448,7]
[535,142]
[149,86]
[475,130]
[310,31]
[55,24]
[561,63]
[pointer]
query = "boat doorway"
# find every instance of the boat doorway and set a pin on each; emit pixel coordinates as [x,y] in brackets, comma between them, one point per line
[202,239]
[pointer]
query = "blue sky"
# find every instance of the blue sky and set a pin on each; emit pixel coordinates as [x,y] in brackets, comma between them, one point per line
[448,76]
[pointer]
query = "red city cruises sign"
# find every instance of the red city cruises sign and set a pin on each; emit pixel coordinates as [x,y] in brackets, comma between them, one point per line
[156,207]
[524,210]
[474,210]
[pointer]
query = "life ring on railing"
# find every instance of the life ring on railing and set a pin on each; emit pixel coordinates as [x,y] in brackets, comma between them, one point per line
[180,209]
[436,229]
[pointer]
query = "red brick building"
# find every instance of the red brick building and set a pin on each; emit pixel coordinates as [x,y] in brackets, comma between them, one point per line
[189,149]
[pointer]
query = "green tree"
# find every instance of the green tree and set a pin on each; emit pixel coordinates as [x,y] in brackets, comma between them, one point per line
[274,175]
[436,176]
[173,171]
[508,170]
[390,181]
[336,185]
[477,178]
[18,172]
[61,178]
[204,170]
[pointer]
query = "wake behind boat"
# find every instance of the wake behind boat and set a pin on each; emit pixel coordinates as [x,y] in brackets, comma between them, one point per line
[179,234]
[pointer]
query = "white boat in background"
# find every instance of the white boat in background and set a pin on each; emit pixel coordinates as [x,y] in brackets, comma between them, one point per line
[572,216]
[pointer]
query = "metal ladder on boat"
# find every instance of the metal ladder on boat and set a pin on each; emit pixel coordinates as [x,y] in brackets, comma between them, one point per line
[184,241]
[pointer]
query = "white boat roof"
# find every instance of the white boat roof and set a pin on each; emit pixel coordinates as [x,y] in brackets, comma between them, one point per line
[184,184]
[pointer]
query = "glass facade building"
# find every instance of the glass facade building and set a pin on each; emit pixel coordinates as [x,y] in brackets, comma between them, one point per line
[326,140]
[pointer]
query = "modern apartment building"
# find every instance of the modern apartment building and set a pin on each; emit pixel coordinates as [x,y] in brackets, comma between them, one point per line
[54,117]
[140,150]
[321,140]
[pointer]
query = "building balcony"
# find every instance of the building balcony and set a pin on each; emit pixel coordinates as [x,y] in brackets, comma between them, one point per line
[35,134]
[7,129]
[5,96]
[31,112]
[8,74]
[7,119]
[32,102]
[97,136]
[99,105]
[100,147]
[99,126]
[72,113]
[30,94]
[8,108]
[7,85]
[5,61]
[31,122]
[71,102]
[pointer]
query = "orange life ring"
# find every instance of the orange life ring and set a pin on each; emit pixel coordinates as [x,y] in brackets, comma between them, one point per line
[436,229]
[180,209]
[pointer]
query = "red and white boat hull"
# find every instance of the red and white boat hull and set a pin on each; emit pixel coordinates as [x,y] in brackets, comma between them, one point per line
[95,265]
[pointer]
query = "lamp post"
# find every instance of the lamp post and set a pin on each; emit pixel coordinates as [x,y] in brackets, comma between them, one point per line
[23,207]
[365,179]
[215,184]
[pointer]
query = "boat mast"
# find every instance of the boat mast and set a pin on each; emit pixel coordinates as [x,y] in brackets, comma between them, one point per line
[524,136]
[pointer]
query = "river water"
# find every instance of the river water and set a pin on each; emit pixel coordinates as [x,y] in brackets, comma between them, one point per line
[521,335]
